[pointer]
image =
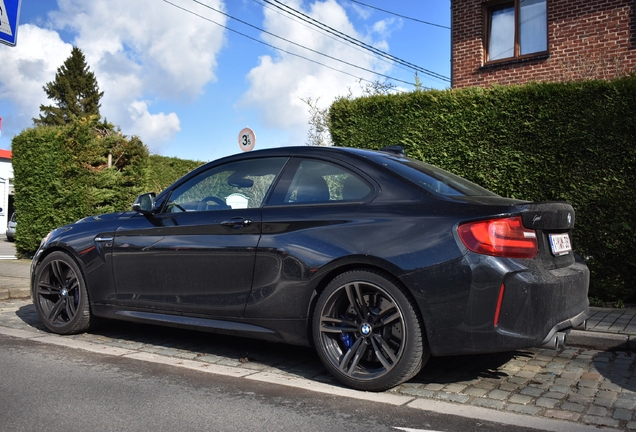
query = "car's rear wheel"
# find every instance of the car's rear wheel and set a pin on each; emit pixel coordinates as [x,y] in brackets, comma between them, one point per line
[367,332]
[60,295]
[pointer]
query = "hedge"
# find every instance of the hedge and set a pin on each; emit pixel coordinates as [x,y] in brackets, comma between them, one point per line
[162,171]
[553,141]
[61,175]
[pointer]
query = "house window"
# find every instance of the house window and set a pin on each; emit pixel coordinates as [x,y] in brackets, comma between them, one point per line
[516,29]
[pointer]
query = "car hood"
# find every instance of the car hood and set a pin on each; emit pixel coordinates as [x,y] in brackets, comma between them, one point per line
[106,217]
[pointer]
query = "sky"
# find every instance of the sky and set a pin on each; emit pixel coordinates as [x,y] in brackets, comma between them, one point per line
[187,76]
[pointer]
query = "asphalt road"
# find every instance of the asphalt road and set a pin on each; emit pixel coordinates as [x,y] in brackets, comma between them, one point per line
[51,388]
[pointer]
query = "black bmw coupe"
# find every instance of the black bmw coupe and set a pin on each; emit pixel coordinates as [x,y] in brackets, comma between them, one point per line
[377,260]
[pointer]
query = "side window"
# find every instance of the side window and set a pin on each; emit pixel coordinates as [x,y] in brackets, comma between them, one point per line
[322,182]
[236,185]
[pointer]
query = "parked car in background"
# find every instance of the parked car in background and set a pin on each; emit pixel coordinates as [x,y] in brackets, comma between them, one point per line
[377,260]
[11,228]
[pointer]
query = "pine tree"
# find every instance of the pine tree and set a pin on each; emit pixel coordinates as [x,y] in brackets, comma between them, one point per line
[74,90]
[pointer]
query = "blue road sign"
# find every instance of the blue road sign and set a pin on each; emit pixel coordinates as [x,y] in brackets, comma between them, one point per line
[9,17]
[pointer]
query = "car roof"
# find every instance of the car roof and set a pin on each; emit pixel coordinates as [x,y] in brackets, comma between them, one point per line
[304,151]
[295,151]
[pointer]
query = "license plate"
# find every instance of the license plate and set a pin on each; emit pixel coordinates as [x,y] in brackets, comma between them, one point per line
[560,244]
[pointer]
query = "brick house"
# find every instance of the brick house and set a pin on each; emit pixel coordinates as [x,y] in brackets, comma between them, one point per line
[516,41]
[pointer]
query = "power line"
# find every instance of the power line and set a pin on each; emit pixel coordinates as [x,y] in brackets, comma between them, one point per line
[352,40]
[398,15]
[297,44]
[322,32]
[285,51]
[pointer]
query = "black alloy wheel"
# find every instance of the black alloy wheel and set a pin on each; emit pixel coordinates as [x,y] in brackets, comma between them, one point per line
[60,295]
[367,332]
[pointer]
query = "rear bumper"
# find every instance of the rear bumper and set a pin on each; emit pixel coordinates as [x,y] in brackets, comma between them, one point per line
[535,304]
[538,304]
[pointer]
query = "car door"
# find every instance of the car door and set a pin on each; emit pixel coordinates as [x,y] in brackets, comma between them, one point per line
[196,254]
[315,215]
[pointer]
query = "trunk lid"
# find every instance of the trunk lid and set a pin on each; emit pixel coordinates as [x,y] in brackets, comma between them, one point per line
[553,222]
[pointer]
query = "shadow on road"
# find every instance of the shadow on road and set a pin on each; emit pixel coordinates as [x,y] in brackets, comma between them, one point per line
[448,370]
[617,367]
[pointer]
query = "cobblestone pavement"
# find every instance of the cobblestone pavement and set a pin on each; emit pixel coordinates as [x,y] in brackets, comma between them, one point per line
[578,385]
[619,321]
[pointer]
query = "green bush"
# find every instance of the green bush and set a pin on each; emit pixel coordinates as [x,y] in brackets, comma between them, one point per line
[553,141]
[61,175]
[162,171]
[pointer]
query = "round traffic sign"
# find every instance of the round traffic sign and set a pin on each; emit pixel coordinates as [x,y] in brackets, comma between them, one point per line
[246,139]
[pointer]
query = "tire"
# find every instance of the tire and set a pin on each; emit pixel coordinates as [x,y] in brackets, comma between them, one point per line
[61,299]
[367,333]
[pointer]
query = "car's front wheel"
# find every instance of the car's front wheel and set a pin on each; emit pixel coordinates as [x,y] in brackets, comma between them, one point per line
[367,332]
[61,299]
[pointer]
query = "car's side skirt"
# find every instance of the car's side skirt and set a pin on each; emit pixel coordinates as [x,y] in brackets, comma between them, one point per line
[287,331]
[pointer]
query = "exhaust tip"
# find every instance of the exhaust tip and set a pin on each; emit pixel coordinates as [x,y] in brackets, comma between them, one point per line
[556,342]
[582,326]
[560,340]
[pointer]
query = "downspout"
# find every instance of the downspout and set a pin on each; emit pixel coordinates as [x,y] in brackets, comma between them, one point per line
[452,56]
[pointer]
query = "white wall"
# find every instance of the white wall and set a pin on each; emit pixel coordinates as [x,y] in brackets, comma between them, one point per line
[6,174]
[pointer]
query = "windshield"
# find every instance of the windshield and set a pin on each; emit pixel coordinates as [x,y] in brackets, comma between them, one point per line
[431,178]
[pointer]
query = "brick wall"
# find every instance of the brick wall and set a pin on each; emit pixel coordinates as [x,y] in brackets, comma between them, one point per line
[587,39]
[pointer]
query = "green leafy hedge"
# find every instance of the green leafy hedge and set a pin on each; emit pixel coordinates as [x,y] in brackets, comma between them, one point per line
[553,141]
[162,171]
[61,175]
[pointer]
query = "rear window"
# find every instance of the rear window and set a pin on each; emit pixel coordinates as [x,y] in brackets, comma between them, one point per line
[431,178]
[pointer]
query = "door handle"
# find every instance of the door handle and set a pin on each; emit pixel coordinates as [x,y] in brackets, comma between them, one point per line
[237,222]
[104,239]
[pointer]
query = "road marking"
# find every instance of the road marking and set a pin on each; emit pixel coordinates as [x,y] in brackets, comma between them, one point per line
[414,430]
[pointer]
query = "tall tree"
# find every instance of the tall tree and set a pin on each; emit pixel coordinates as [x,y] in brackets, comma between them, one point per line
[74,91]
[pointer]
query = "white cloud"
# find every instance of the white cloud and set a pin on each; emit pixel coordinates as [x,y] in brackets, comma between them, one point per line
[25,69]
[145,49]
[153,126]
[280,81]
[385,27]
[139,50]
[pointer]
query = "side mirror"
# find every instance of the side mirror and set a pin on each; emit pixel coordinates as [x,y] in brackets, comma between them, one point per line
[145,203]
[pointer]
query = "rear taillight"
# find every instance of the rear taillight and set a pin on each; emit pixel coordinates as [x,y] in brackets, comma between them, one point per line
[500,237]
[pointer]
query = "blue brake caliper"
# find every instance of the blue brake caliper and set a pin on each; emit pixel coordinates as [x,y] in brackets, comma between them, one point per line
[346,338]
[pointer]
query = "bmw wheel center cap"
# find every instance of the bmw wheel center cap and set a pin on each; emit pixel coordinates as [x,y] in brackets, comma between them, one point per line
[365,329]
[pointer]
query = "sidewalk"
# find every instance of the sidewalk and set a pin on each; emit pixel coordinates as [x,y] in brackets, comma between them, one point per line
[606,328]
[14,273]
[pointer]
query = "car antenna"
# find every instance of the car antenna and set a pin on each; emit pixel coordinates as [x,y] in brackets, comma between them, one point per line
[398,150]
